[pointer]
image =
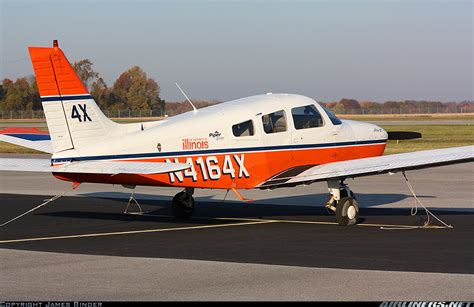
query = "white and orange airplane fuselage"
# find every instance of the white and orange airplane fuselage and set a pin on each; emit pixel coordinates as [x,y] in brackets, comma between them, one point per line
[263,141]
[219,158]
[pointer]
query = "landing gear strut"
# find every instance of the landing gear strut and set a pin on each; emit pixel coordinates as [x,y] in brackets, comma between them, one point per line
[182,205]
[132,199]
[342,202]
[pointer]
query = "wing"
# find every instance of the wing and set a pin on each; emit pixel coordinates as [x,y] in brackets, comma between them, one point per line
[26,165]
[119,167]
[370,166]
[27,137]
[92,167]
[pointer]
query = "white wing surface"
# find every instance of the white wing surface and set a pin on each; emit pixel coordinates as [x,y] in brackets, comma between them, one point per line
[371,166]
[26,165]
[117,167]
[92,167]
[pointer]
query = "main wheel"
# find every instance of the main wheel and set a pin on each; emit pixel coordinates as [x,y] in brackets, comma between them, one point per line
[347,211]
[344,194]
[182,205]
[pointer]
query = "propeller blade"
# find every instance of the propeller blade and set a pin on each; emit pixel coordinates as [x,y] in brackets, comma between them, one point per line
[403,135]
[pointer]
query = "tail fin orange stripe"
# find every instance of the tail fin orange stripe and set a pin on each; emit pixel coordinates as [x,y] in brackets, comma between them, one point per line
[54,74]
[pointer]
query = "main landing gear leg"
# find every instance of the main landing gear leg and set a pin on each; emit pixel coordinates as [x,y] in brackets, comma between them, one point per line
[132,198]
[342,202]
[182,205]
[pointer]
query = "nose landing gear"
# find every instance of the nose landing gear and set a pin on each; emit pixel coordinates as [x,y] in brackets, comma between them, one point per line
[342,202]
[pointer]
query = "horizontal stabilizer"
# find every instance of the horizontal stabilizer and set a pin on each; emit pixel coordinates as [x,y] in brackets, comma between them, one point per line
[27,137]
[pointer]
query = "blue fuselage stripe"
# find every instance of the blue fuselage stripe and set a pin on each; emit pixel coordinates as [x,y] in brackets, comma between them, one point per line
[59,98]
[216,151]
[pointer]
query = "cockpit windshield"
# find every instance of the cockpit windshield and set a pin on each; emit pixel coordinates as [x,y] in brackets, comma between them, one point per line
[332,116]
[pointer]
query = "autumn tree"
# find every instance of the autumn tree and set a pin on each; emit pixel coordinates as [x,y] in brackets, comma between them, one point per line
[35,103]
[389,106]
[19,95]
[3,92]
[349,104]
[407,106]
[101,94]
[370,107]
[136,91]
[331,104]
[339,108]
[466,106]
[6,84]
[85,72]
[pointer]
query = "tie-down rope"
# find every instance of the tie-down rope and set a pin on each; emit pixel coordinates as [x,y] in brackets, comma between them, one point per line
[47,201]
[414,210]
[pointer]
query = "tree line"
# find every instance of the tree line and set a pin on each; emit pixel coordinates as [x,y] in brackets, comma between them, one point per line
[347,105]
[134,91]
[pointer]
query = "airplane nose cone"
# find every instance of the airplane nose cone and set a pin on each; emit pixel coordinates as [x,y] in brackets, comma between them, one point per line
[367,131]
[379,133]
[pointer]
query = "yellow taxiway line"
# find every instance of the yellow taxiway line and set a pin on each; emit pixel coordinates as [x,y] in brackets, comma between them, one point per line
[382,226]
[246,221]
[332,223]
[295,221]
[117,233]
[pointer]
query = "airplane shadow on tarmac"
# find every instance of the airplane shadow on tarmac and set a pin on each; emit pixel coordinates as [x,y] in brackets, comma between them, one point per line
[212,208]
[364,200]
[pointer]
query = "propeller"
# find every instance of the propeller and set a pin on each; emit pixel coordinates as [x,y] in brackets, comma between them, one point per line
[403,135]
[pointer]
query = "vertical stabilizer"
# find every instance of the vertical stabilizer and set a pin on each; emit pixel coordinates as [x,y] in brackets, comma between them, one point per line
[74,119]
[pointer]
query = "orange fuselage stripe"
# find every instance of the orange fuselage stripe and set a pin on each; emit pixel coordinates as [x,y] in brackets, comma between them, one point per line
[259,166]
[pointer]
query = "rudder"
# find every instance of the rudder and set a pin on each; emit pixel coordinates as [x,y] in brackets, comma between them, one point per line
[74,120]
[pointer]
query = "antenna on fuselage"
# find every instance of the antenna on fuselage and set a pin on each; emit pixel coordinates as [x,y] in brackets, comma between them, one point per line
[184,94]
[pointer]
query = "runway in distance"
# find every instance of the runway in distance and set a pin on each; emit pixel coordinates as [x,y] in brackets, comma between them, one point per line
[265,142]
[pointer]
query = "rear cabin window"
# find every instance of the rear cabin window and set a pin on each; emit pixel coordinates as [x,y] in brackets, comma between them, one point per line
[306,117]
[274,122]
[243,129]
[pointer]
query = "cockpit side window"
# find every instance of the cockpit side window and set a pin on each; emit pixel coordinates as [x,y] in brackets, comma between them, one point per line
[332,117]
[274,122]
[306,117]
[243,129]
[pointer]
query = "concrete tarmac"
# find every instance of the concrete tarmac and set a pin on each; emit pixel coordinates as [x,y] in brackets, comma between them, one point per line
[51,276]
[281,247]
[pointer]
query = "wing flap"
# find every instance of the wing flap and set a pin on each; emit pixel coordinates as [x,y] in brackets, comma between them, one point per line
[119,167]
[375,165]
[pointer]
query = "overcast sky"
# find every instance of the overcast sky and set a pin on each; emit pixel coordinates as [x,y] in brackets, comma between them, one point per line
[368,50]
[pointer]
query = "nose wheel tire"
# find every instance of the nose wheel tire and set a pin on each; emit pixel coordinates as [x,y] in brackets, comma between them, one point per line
[347,211]
[182,205]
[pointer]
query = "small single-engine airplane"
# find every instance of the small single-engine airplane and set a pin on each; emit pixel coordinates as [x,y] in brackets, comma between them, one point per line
[264,141]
